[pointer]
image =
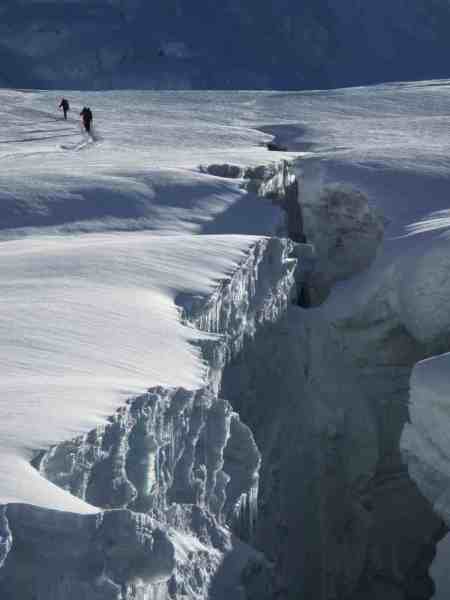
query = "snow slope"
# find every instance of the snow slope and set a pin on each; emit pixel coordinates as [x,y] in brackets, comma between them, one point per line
[89,321]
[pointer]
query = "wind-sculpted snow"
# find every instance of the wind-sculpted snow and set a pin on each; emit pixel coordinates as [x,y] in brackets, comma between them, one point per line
[168,431]
[183,457]
[87,322]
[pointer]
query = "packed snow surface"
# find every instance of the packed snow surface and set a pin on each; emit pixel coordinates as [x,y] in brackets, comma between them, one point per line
[100,236]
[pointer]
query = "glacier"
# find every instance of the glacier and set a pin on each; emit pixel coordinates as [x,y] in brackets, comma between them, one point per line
[223,345]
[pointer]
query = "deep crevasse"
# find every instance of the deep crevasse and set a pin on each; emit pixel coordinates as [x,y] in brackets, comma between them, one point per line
[322,392]
[183,458]
[325,393]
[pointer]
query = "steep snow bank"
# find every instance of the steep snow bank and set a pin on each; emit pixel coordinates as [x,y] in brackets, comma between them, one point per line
[165,430]
[183,457]
[117,293]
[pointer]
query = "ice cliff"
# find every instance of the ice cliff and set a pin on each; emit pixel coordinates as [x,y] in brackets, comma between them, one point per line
[177,471]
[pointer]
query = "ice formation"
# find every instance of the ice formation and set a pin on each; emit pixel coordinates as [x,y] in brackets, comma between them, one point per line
[209,410]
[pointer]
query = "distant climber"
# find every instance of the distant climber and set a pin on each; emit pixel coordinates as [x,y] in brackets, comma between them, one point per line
[64,104]
[86,118]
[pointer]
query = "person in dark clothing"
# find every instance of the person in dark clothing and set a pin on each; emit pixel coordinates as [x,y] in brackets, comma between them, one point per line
[86,117]
[64,104]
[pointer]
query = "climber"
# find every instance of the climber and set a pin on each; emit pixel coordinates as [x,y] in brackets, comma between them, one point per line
[86,119]
[64,104]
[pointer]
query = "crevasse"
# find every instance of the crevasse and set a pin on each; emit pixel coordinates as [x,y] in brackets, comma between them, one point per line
[175,466]
[293,445]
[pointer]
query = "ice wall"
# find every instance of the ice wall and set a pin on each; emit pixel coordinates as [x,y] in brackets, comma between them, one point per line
[173,466]
[339,515]
[168,447]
